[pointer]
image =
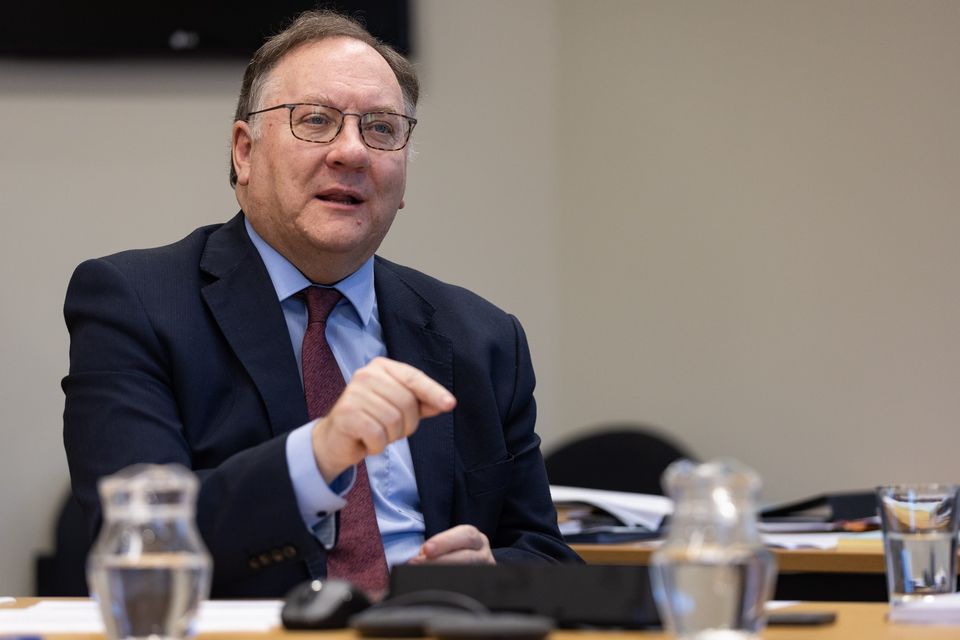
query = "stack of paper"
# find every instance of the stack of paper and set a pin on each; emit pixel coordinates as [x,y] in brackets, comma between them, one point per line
[939,609]
[628,509]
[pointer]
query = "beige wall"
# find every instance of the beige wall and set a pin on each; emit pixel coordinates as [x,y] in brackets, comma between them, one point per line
[93,159]
[736,220]
[768,194]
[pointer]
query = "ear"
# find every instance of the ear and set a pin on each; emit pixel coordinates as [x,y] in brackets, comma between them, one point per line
[241,145]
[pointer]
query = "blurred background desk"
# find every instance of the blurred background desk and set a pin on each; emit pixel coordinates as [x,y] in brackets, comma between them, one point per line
[839,574]
[840,560]
[855,621]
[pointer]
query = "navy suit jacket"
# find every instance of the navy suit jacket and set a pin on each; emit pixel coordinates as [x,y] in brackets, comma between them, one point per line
[181,354]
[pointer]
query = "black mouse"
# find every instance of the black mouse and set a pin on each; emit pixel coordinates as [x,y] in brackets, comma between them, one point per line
[322,604]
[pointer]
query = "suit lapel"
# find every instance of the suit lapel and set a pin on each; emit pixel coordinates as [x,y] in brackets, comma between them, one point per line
[244,303]
[406,319]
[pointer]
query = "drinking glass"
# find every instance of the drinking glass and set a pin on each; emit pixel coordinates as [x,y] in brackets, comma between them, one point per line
[919,539]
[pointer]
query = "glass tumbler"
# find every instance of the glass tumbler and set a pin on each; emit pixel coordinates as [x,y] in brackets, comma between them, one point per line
[919,539]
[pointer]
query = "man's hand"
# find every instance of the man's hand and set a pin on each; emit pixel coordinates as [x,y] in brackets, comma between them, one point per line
[384,401]
[463,544]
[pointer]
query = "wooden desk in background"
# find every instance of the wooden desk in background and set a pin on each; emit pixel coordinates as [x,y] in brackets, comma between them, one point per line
[852,571]
[855,621]
[860,559]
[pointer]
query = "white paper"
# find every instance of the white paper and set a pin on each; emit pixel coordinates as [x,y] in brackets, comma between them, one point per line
[83,616]
[795,527]
[801,540]
[633,509]
[940,609]
[775,605]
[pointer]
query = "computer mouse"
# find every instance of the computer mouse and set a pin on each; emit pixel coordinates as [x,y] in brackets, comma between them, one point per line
[322,604]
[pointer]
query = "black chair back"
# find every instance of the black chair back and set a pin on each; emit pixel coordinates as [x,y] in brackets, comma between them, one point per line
[616,458]
[63,573]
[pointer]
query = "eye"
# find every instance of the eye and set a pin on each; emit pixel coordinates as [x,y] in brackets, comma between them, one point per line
[317,119]
[380,126]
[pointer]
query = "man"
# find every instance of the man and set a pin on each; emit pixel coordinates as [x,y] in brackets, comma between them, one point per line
[201,352]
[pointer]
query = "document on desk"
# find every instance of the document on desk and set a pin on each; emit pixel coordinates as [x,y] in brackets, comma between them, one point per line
[939,609]
[847,541]
[629,509]
[83,616]
[801,540]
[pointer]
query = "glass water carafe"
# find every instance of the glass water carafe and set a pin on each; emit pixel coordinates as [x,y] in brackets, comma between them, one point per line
[149,569]
[712,577]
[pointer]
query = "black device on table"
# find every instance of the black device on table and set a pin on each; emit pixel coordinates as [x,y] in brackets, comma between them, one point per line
[446,615]
[521,602]
[322,604]
[570,595]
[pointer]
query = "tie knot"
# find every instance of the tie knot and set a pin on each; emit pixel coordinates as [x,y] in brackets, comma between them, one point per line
[320,302]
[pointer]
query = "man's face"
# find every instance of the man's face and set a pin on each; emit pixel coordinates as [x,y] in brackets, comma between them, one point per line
[325,207]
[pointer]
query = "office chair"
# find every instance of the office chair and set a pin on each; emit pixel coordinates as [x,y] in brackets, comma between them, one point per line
[618,457]
[63,572]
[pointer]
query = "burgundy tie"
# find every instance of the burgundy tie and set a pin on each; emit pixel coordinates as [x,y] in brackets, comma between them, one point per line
[358,555]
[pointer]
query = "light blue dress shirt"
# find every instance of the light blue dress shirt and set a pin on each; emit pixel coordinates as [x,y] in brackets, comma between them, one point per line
[355,337]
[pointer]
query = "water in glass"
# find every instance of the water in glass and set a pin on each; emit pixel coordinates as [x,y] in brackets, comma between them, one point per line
[920,565]
[723,598]
[155,596]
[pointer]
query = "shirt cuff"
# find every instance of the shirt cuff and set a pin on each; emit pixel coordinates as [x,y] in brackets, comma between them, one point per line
[316,500]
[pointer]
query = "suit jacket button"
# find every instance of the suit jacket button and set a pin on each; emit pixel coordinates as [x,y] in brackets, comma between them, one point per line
[264,559]
[276,555]
[290,551]
[254,564]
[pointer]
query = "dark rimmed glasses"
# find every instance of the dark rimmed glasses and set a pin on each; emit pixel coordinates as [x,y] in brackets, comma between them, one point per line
[320,123]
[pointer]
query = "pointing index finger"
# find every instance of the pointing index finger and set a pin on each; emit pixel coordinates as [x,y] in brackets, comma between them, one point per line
[434,399]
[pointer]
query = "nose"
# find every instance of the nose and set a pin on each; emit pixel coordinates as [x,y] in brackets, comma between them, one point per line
[348,149]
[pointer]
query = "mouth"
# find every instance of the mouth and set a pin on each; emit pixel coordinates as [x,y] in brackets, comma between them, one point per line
[340,196]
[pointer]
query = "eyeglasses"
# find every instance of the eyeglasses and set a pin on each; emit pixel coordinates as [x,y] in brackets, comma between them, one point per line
[319,123]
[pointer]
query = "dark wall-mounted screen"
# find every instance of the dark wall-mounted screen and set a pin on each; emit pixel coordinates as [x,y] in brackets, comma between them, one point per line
[173,28]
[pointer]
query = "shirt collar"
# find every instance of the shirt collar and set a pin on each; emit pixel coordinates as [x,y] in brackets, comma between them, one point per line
[287,280]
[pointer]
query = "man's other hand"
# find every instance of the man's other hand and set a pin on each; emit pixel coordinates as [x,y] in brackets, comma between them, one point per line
[384,401]
[463,544]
